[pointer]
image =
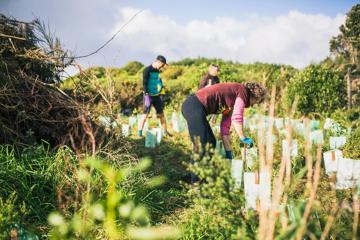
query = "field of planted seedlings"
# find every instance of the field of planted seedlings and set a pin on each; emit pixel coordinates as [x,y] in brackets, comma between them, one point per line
[73,166]
[300,179]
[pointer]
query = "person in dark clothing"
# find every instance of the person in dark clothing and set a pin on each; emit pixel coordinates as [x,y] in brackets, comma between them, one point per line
[153,91]
[228,99]
[211,77]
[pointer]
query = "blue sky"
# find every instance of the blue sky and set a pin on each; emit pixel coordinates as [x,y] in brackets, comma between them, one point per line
[289,32]
[207,9]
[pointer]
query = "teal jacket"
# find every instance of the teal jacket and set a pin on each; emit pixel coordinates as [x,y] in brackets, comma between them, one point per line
[151,81]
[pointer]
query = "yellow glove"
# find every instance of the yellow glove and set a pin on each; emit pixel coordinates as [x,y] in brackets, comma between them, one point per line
[162,92]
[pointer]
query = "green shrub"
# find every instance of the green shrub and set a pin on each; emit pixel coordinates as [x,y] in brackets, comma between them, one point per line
[133,67]
[318,88]
[217,210]
[172,72]
[9,214]
[352,148]
[349,118]
[180,79]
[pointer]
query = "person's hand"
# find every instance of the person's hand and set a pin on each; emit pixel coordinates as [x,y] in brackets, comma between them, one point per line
[247,141]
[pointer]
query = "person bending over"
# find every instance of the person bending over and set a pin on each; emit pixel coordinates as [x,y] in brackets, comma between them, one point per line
[228,99]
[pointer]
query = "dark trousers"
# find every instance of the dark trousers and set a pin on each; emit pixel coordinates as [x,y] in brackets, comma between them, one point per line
[199,127]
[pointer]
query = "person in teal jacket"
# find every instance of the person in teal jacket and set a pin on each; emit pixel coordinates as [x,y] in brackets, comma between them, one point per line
[153,93]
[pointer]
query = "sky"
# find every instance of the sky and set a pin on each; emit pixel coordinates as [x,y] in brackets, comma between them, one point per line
[294,32]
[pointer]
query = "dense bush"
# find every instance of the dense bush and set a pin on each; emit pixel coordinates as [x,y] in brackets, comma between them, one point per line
[318,89]
[133,67]
[172,72]
[180,79]
[351,148]
[349,118]
[217,208]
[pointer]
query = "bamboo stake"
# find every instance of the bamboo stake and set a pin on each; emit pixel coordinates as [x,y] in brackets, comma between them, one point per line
[314,185]
[356,214]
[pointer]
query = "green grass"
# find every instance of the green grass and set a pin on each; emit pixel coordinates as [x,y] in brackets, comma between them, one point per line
[36,181]
[35,174]
[168,160]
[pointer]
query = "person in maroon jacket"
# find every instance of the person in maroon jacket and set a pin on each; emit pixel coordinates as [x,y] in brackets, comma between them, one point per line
[228,99]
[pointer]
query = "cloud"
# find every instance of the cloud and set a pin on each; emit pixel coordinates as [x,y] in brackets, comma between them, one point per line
[296,38]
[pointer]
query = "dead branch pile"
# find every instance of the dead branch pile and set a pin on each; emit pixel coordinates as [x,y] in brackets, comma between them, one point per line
[32,107]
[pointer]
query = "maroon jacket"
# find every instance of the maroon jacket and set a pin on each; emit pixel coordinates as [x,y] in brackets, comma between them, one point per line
[220,98]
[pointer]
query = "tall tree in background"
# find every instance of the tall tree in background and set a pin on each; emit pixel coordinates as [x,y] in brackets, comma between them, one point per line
[347,46]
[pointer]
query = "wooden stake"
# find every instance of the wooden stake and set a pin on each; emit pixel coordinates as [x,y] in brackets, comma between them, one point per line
[244,156]
[348,76]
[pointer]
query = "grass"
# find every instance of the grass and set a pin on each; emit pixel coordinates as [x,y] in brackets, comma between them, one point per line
[35,175]
[168,160]
[44,181]
[37,181]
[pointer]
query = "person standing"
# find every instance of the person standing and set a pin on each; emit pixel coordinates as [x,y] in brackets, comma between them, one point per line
[153,90]
[211,77]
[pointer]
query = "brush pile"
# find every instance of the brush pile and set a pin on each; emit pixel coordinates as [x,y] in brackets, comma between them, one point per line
[33,108]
